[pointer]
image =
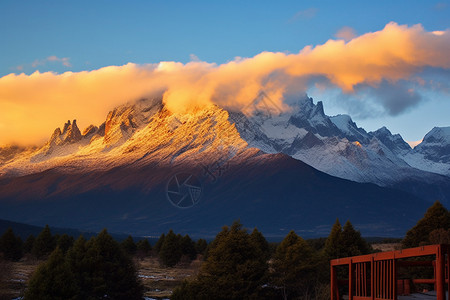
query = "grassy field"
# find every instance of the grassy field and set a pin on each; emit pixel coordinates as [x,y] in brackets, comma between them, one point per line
[158,281]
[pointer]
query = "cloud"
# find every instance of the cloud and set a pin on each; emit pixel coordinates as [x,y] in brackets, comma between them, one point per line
[346,33]
[305,14]
[440,6]
[65,61]
[193,57]
[384,64]
[394,98]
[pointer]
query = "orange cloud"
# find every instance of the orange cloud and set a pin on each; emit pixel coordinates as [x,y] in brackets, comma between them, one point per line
[31,106]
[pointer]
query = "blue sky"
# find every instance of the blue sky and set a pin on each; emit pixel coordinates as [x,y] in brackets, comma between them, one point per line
[62,36]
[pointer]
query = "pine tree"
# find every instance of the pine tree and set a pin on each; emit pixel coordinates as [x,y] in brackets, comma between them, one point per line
[258,239]
[113,270]
[200,246]
[11,246]
[295,267]
[143,248]
[188,247]
[44,243]
[436,217]
[235,269]
[53,280]
[129,246]
[94,269]
[159,243]
[65,242]
[333,247]
[28,245]
[352,244]
[170,252]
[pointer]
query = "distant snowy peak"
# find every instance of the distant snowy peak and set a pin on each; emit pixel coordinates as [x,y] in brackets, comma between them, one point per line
[436,145]
[439,135]
[312,118]
[349,129]
[394,142]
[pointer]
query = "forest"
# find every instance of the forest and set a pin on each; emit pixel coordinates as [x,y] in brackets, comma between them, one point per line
[239,263]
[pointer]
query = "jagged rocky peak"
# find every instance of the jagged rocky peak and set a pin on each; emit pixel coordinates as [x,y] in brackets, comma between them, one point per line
[312,117]
[349,129]
[73,134]
[66,127]
[394,142]
[70,134]
[91,129]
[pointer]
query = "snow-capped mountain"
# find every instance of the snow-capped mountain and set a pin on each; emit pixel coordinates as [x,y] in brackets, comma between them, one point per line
[334,145]
[433,153]
[258,159]
[135,133]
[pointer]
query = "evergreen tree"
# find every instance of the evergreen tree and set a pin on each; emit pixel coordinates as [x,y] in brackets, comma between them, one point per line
[170,252]
[333,247]
[44,243]
[352,243]
[295,267]
[143,248]
[437,216]
[112,270]
[440,236]
[11,246]
[96,269]
[159,243]
[129,246]
[344,242]
[53,280]
[65,242]
[82,267]
[200,246]
[188,247]
[235,269]
[28,245]
[258,239]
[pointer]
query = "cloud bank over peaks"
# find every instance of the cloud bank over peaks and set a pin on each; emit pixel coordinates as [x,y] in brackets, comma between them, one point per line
[389,63]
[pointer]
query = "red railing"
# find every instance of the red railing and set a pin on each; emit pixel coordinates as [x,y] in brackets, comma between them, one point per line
[375,276]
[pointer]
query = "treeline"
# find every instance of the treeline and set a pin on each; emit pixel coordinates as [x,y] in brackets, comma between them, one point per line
[242,265]
[170,248]
[238,264]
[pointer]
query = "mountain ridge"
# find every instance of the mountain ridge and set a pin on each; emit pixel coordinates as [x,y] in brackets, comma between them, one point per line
[263,168]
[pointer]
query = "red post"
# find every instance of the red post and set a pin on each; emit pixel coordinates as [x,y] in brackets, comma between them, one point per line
[448,268]
[350,280]
[394,278]
[333,283]
[372,278]
[440,273]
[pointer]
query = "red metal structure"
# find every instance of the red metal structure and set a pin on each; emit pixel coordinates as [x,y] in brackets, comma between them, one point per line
[375,276]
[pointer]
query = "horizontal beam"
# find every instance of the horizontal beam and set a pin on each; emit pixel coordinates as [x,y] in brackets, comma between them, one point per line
[397,254]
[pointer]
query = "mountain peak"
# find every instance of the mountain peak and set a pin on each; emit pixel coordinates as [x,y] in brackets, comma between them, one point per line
[382,131]
[438,135]
[72,134]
